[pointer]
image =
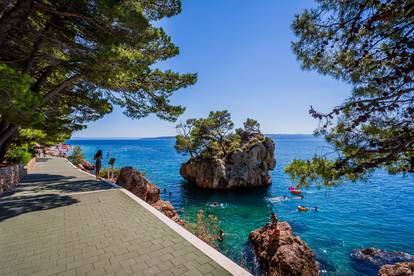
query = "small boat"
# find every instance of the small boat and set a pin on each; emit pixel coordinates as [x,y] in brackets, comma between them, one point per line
[291,188]
[302,209]
[296,192]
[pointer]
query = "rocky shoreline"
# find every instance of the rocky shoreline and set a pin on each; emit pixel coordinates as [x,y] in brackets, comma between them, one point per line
[132,180]
[281,252]
[398,269]
[278,249]
[374,260]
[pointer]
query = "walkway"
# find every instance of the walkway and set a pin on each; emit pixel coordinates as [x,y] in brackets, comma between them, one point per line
[60,221]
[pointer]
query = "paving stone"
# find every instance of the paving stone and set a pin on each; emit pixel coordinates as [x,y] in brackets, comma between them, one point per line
[60,221]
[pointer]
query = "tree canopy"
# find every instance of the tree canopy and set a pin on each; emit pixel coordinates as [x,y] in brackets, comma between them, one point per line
[64,63]
[214,136]
[370,45]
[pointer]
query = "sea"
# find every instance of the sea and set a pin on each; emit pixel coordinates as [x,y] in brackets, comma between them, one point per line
[378,212]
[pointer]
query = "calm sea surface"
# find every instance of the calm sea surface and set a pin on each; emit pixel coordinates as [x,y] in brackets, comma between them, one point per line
[376,213]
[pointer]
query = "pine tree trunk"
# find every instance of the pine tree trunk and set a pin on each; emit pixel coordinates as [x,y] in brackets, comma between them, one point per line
[14,18]
[5,140]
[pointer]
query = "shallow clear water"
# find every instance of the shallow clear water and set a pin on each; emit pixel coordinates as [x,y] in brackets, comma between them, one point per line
[376,213]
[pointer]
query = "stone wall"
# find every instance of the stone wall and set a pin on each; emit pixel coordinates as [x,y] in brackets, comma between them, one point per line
[10,176]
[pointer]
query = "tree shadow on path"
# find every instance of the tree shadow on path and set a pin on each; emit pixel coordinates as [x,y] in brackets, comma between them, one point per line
[21,205]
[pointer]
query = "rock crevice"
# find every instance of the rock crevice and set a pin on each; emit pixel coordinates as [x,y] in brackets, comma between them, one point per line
[241,169]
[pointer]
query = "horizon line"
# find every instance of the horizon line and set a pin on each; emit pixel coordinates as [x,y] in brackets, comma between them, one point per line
[167,136]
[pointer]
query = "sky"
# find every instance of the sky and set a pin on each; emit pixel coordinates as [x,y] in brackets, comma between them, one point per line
[241,51]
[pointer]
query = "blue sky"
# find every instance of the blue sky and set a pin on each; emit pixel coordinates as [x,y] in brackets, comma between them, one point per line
[242,53]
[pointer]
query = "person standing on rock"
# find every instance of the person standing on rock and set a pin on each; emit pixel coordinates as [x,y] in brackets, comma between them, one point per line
[98,163]
[273,218]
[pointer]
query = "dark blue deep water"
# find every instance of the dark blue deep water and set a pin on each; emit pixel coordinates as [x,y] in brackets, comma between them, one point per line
[376,213]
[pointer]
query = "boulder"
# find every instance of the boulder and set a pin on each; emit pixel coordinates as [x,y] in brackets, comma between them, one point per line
[248,167]
[281,252]
[87,165]
[374,257]
[136,183]
[168,209]
[398,269]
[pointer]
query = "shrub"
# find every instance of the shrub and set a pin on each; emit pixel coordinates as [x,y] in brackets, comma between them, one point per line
[104,172]
[206,228]
[77,156]
[19,154]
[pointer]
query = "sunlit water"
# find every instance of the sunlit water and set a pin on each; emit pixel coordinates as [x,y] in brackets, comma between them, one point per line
[376,213]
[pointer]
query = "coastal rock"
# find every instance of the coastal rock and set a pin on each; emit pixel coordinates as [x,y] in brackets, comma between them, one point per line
[136,183]
[87,165]
[376,258]
[281,252]
[243,168]
[399,269]
[168,209]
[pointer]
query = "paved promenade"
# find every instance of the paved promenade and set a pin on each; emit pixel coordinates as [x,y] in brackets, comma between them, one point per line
[60,221]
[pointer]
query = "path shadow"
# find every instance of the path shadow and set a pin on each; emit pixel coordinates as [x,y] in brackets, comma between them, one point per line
[35,177]
[44,183]
[21,205]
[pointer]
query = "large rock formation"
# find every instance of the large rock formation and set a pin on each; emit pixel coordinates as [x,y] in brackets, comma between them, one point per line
[247,167]
[371,259]
[281,252]
[399,269]
[136,183]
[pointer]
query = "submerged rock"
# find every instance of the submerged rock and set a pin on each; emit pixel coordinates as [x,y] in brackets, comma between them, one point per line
[136,183]
[375,258]
[243,168]
[281,252]
[399,269]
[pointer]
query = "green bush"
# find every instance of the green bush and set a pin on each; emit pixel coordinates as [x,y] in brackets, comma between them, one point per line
[206,228]
[104,172]
[77,156]
[19,154]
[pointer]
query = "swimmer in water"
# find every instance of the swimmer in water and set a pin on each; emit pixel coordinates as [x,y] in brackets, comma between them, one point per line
[220,235]
[284,197]
[316,209]
[165,190]
[170,194]
[301,197]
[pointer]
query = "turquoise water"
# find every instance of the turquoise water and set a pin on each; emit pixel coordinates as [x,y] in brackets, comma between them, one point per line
[376,213]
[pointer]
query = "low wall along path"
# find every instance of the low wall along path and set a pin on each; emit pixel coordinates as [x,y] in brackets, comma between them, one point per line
[61,221]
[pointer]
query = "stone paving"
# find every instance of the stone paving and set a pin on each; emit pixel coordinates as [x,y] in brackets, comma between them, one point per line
[60,221]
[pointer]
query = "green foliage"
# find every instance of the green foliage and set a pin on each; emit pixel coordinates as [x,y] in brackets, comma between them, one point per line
[205,227]
[108,171]
[213,136]
[77,156]
[17,100]
[65,63]
[251,126]
[19,154]
[318,170]
[367,44]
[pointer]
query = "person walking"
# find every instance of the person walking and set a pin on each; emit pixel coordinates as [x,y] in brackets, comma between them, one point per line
[98,163]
